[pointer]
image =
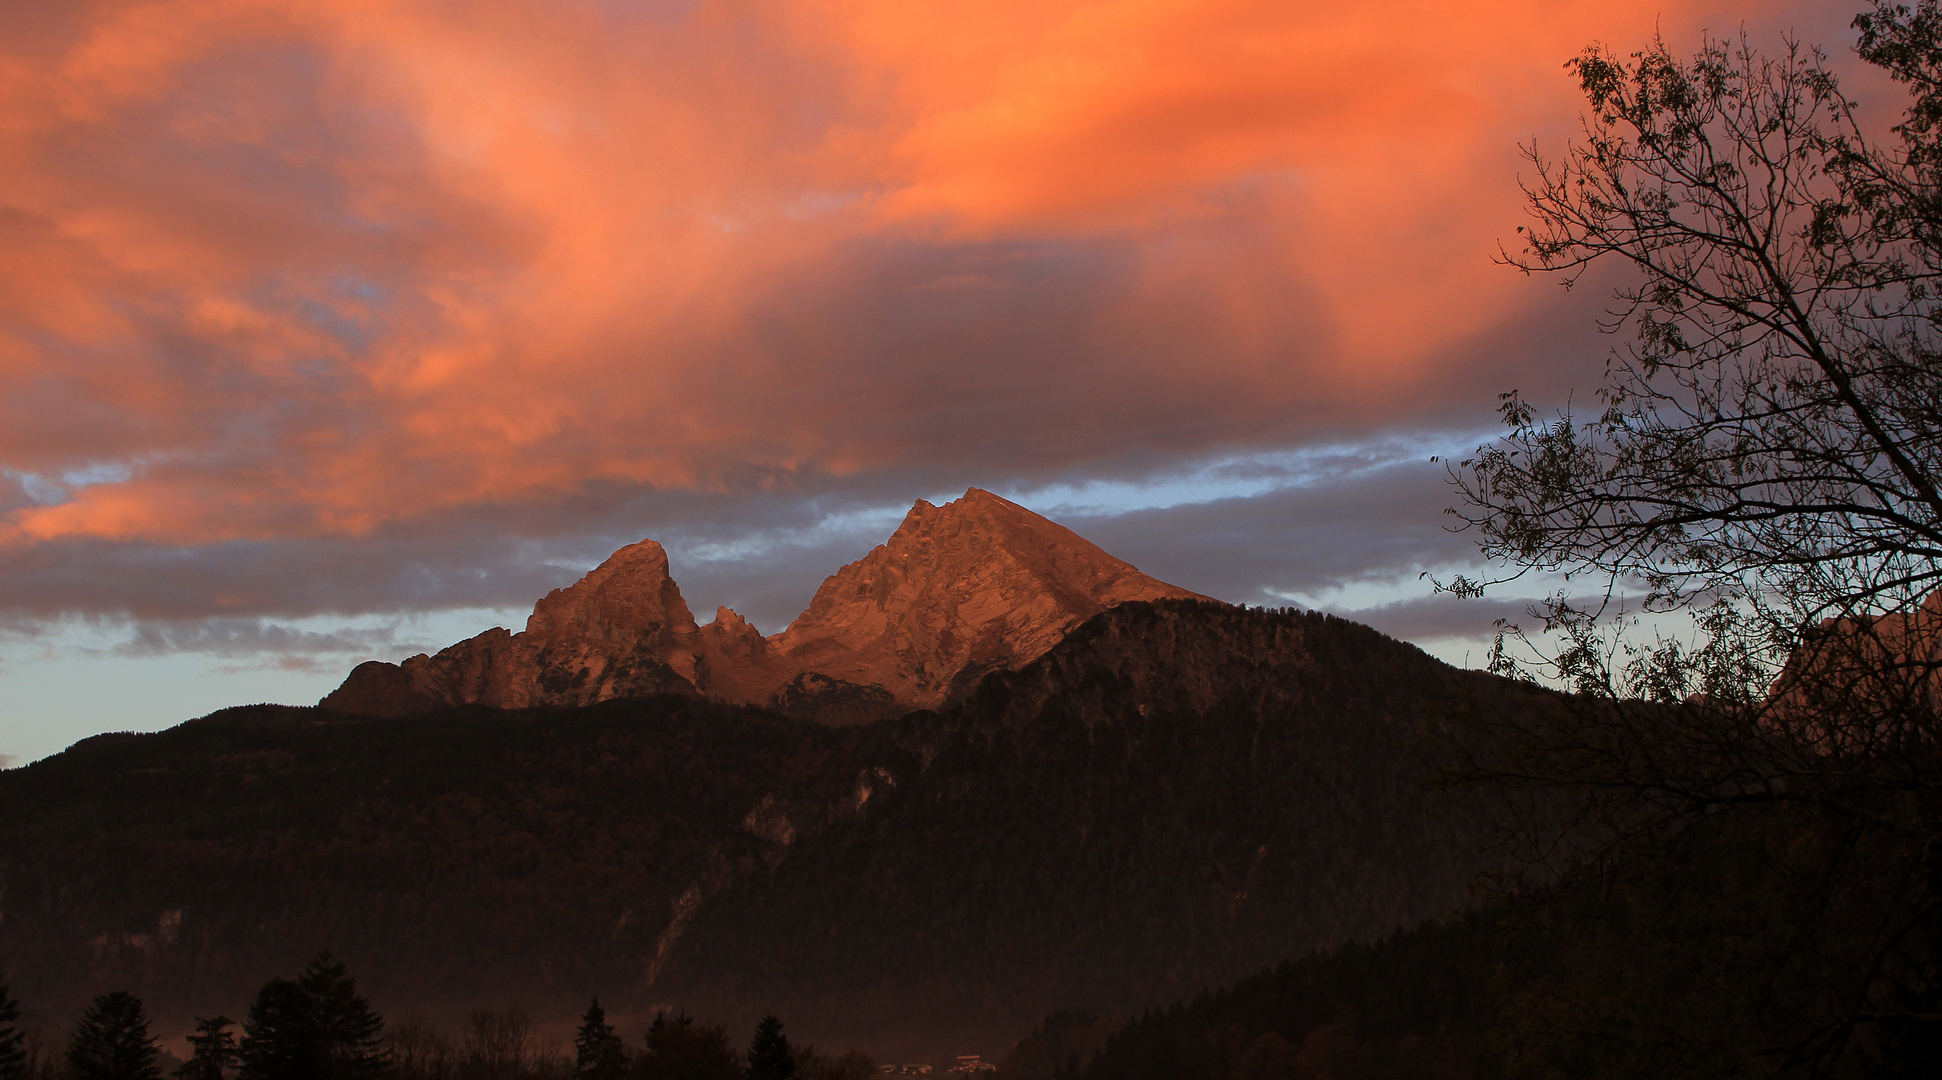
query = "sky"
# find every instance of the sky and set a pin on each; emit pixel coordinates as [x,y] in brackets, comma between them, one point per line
[344,329]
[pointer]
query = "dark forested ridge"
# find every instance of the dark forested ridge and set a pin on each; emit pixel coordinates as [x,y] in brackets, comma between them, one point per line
[1416,1004]
[1172,799]
[466,857]
[1176,795]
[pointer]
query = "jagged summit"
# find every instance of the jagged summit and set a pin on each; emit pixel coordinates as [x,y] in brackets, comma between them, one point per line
[621,631]
[975,585]
[959,590]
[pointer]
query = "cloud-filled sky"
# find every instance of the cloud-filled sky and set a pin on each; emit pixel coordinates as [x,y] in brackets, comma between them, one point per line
[342,328]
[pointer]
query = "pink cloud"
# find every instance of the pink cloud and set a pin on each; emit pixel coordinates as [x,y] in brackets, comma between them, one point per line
[314,270]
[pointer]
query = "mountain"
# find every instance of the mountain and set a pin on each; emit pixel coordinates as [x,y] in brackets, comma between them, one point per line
[977,585]
[1173,795]
[960,590]
[621,631]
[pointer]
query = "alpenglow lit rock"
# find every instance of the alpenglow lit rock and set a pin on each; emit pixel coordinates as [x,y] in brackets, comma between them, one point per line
[960,590]
[621,631]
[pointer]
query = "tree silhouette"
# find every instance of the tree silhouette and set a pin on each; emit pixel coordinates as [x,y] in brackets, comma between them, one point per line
[350,1034]
[315,1027]
[498,1046]
[597,1051]
[212,1050]
[13,1052]
[680,1049]
[769,1054]
[1742,819]
[111,1041]
[281,1036]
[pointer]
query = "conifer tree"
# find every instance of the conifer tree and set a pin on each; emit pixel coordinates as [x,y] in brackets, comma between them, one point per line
[680,1049]
[769,1055]
[111,1041]
[351,1035]
[597,1051]
[315,1027]
[13,1053]
[281,1036]
[213,1050]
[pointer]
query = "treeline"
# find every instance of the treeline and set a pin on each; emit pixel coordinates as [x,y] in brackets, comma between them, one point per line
[1420,1004]
[318,1027]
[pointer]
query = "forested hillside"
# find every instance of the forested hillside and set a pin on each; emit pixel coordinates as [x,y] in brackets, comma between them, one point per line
[1417,1004]
[472,857]
[1176,795]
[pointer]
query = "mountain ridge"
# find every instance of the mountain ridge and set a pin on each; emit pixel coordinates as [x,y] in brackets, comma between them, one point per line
[976,585]
[1174,795]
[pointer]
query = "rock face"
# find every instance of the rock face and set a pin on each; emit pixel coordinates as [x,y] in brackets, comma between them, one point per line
[1865,669]
[621,631]
[960,590]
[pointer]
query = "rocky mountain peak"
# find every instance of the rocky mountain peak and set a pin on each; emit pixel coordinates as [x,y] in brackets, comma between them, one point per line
[972,586]
[629,596]
[623,630]
[959,590]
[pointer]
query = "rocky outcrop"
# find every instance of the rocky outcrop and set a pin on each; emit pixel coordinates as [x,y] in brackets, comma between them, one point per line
[960,590]
[1865,674]
[621,631]
[977,585]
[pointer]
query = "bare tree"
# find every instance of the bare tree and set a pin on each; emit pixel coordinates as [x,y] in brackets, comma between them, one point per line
[1754,809]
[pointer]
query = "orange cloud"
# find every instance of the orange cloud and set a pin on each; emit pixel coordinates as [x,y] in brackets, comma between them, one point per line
[272,270]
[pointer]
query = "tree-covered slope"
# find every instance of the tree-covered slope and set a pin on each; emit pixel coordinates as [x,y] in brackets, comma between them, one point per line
[1420,1003]
[1175,795]
[471,856]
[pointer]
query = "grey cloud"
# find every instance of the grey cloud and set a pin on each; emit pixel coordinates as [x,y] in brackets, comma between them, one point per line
[1307,540]
[762,553]
[1064,364]
[1428,618]
[231,637]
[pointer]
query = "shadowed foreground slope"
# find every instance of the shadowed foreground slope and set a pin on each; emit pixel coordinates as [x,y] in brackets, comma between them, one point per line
[1174,796]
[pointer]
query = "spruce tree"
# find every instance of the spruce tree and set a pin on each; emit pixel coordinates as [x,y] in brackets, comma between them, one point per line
[680,1049]
[315,1027]
[351,1035]
[213,1051]
[281,1038]
[769,1055]
[597,1051]
[111,1041]
[13,1053]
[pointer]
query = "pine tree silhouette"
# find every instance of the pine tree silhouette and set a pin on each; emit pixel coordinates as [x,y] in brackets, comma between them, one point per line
[350,1034]
[315,1027]
[281,1036]
[213,1051]
[770,1056]
[597,1051]
[13,1053]
[680,1049]
[111,1041]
